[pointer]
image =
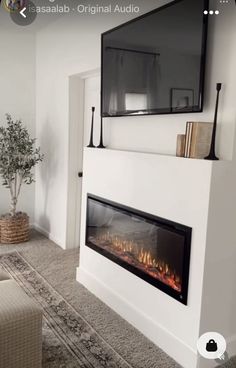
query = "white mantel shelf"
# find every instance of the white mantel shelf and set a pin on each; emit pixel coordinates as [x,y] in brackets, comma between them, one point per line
[192,192]
[161,155]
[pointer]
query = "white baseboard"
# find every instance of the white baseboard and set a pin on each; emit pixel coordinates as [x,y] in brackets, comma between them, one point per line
[48,235]
[164,339]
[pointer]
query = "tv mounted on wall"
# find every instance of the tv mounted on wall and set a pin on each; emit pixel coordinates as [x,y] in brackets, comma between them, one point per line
[155,63]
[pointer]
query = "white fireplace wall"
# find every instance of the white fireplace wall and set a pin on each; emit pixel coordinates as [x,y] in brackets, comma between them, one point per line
[168,187]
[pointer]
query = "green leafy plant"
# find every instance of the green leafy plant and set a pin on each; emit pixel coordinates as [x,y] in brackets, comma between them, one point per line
[18,156]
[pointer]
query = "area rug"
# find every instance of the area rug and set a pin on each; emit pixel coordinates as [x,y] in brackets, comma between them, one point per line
[68,340]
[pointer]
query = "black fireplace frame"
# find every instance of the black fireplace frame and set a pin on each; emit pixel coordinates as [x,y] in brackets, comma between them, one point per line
[167,224]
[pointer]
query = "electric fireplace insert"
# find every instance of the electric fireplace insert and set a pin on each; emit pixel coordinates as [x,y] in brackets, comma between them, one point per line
[155,249]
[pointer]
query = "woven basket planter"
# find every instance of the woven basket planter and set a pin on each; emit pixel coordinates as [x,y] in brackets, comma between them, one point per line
[14,230]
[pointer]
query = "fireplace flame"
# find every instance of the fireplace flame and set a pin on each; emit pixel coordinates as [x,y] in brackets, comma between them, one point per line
[133,254]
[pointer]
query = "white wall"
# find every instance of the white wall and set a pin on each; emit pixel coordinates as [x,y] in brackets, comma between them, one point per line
[158,133]
[219,292]
[71,46]
[68,46]
[17,97]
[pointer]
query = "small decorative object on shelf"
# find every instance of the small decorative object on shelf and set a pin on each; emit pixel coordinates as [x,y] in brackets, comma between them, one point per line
[91,145]
[180,145]
[101,145]
[212,155]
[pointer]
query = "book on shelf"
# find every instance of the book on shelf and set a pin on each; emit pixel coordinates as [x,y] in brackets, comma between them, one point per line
[198,139]
[180,145]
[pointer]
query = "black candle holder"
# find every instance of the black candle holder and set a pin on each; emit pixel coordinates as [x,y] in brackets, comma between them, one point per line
[101,145]
[212,155]
[91,145]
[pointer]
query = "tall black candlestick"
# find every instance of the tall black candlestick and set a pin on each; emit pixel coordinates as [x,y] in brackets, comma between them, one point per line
[212,155]
[101,145]
[91,133]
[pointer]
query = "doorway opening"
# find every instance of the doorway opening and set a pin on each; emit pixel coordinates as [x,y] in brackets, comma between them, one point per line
[84,91]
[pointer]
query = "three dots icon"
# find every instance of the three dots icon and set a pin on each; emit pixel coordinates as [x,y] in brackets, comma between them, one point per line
[211,12]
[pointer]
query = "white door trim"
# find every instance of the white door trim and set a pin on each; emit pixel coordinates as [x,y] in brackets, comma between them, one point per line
[75,154]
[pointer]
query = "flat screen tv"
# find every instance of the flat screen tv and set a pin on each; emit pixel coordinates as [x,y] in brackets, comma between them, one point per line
[155,63]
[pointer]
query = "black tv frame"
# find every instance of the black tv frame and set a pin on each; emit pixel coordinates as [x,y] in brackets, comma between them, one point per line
[203,62]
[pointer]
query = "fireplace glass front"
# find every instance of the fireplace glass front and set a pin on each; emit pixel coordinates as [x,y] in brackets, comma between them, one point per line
[155,249]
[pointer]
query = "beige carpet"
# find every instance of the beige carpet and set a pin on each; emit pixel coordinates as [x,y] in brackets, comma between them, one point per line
[58,267]
[68,340]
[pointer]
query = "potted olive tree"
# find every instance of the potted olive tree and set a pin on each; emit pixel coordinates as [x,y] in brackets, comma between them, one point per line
[18,156]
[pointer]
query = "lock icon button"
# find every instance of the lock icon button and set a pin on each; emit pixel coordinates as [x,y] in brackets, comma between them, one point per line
[211,346]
